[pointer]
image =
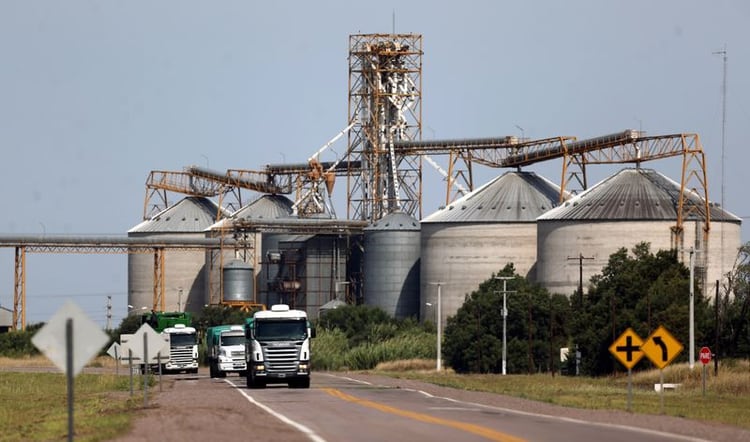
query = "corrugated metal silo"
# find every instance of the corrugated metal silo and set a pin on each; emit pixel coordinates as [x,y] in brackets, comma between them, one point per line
[265,208]
[466,242]
[632,206]
[183,270]
[391,265]
[238,282]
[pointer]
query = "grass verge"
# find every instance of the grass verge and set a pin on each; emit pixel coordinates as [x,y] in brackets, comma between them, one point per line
[33,405]
[726,399]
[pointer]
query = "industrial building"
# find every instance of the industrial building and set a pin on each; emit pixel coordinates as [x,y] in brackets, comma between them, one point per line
[248,237]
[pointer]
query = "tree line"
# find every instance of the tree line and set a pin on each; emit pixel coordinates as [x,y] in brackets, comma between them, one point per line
[641,290]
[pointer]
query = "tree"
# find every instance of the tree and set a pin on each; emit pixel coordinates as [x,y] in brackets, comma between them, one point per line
[536,327]
[735,336]
[641,291]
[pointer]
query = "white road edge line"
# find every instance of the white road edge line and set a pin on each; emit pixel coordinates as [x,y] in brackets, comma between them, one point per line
[544,416]
[305,430]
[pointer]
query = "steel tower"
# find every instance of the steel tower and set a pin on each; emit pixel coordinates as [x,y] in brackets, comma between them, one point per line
[385,106]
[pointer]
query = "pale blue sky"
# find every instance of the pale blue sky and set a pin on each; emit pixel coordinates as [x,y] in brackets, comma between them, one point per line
[95,94]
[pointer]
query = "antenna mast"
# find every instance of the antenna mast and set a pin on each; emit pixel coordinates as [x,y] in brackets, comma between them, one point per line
[723,53]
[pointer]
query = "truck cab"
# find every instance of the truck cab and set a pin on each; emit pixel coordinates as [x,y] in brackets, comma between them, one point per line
[277,347]
[177,330]
[225,350]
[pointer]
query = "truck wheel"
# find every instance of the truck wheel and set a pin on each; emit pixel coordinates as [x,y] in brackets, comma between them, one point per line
[255,383]
[221,374]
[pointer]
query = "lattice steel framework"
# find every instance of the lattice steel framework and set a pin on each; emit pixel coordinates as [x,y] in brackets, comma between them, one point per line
[385,106]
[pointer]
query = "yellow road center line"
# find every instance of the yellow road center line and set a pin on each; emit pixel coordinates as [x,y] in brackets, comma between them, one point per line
[479,430]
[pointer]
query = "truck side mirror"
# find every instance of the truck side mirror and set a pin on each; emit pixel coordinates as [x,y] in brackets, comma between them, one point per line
[312,332]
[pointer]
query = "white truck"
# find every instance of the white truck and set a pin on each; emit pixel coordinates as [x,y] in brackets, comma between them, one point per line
[183,349]
[177,330]
[277,347]
[225,350]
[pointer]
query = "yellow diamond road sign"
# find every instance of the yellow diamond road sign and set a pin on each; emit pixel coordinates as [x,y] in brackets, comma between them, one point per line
[661,347]
[627,348]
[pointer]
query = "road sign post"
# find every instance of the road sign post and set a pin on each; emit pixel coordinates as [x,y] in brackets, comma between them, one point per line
[627,350]
[70,339]
[705,357]
[661,347]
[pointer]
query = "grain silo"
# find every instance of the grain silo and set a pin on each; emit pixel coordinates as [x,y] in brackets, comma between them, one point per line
[630,207]
[183,270]
[252,248]
[466,242]
[391,265]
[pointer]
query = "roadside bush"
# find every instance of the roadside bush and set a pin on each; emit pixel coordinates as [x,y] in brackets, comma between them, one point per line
[18,343]
[329,350]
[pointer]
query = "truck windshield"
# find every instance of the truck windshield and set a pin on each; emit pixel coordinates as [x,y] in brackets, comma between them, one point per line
[280,330]
[176,339]
[233,340]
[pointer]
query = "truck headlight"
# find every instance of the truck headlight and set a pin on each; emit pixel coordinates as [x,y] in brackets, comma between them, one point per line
[303,367]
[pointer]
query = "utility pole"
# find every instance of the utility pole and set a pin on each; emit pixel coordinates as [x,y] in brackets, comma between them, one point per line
[580,259]
[109,312]
[439,284]
[505,318]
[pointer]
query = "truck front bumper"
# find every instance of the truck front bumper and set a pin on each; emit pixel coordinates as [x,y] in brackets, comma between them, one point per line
[260,370]
[232,366]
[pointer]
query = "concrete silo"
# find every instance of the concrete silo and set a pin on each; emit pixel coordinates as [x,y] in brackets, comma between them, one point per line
[184,286]
[391,265]
[466,242]
[630,207]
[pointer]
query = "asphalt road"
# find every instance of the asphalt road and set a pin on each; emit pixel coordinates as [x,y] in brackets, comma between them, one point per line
[341,408]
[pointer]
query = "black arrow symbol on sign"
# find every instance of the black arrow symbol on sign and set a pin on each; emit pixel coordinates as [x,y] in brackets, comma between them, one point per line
[660,343]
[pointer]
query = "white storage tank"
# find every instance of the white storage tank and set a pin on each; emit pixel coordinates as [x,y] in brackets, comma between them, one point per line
[466,242]
[635,205]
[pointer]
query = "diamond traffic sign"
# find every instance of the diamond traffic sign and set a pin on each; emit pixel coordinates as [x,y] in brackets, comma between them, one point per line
[156,344]
[115,351]
[627,348]
[661,347]
[88,338]
[126,352]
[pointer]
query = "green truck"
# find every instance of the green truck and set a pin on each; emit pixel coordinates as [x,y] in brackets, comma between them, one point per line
[225,350]
[177,330]
[277,347]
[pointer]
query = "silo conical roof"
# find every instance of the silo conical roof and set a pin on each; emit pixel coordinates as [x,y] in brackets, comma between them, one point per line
[632,194]
[515,196]
[191,214]
[266,207]
[399,221]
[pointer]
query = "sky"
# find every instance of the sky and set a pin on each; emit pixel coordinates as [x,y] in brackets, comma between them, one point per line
[96,94]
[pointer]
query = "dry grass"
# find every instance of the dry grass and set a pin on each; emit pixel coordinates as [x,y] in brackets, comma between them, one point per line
[726,399]
[41,361]
[409,365]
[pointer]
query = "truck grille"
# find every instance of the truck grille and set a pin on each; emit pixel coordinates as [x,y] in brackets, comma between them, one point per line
[181,354]
[281,357]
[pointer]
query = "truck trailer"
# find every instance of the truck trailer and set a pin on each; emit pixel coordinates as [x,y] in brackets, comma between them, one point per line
[225,350]
[277,347]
